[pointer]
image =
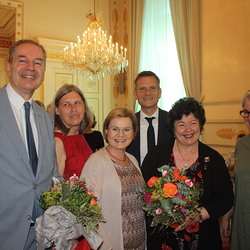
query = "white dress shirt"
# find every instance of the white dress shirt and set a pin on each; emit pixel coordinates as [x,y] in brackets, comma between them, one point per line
[143,132]
[16,102]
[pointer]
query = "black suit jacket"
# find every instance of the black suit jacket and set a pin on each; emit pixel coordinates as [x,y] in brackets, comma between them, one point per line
[164,134]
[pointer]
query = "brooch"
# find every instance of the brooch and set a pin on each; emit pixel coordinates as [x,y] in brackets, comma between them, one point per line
[206,159]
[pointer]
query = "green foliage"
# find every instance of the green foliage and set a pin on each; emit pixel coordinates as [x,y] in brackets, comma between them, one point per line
[74,197]
[168,207]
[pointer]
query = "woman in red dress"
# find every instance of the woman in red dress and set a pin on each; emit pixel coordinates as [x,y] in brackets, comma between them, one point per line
[72,118]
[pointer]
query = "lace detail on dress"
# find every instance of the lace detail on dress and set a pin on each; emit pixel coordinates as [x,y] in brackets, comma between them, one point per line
[131,208]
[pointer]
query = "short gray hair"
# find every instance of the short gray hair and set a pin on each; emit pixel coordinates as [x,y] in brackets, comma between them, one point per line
[245,96]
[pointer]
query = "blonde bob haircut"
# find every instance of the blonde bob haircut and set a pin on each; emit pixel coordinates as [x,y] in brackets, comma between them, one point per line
[120,113]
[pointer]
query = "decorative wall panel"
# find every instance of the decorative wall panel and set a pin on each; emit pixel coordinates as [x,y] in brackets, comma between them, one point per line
[57,75]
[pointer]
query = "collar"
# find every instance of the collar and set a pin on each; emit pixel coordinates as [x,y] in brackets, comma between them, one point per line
[155,114]
[16,100]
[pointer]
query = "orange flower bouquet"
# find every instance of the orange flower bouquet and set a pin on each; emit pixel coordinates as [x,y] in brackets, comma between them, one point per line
[171,198]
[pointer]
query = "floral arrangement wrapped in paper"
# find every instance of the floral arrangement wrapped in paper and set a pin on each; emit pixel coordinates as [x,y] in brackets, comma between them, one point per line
[71,210]
[171,198]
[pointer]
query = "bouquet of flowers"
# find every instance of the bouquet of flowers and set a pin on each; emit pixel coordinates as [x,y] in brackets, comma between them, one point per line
[71,211]
[171,198]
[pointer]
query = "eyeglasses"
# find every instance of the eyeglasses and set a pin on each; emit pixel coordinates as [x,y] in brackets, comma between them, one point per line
[125,131]
[244,113]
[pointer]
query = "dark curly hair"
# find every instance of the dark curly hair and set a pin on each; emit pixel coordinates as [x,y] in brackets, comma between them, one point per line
[186,106]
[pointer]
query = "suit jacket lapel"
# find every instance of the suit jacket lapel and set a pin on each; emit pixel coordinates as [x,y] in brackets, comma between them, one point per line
[40,124]
[159,126]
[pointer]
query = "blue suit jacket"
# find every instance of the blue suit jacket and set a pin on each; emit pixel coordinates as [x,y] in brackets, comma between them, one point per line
[164,134]
[19,188]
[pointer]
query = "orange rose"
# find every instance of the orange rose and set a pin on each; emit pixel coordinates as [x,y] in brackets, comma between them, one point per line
[170,189]
[177,175]
[151,182]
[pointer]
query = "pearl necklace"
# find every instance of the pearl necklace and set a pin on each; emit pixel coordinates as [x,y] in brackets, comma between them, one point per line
[191,155]
[123,160]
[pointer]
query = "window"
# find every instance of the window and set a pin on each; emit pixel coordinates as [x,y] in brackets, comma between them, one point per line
[158,51]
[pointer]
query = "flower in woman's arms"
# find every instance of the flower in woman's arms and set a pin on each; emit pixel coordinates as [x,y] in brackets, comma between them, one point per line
[74,196]
[152,181]
[73,178]
[164,173]
[171,198]
[158,211]
[147,199]
[169,189]
[178,176]
[189,182]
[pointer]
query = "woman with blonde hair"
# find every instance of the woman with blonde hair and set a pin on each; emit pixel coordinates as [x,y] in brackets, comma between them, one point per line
[115,178]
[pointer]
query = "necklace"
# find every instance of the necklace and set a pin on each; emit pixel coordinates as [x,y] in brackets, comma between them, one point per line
[191,155]
[124,158]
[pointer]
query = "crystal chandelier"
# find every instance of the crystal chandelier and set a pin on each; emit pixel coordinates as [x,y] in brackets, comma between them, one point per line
[94,54]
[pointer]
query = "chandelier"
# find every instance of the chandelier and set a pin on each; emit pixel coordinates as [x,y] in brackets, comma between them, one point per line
[94,54]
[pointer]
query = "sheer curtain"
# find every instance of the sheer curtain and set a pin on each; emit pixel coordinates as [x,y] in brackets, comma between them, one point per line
[158,51]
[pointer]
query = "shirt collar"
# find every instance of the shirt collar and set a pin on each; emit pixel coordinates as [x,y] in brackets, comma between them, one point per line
[155,114]
[16,100]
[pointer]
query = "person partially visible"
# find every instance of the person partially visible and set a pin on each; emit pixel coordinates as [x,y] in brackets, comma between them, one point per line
[94,137]
[204,166]
[40,103]
[148,92]
[72,117]
[49,108]
[230,160]
[240,239]
[115,179]
[27,153]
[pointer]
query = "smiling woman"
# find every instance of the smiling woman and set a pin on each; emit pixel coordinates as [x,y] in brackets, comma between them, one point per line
[115,178]
[202,165]
[72,117]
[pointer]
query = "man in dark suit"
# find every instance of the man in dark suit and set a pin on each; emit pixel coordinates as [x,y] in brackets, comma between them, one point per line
[148,92]
[27,154]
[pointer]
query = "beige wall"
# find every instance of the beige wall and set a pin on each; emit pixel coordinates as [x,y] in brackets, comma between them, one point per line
[225,42]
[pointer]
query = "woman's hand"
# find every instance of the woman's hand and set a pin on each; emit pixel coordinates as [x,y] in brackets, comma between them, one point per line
[225,229]
[192,218]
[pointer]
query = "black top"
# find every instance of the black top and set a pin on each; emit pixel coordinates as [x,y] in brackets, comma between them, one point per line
[95,140]
[217,196]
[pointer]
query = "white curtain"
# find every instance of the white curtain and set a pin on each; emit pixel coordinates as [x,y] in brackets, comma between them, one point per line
[158,51]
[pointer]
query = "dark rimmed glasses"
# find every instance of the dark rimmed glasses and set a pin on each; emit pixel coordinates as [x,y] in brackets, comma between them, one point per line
[244,113]
[125,131]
